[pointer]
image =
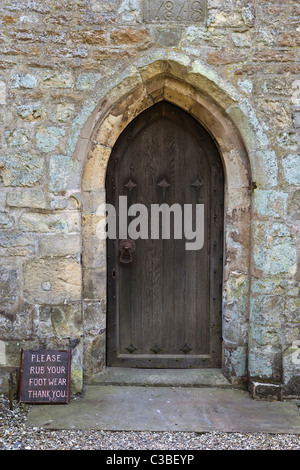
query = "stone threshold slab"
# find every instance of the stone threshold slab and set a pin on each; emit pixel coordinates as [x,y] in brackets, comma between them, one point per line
[163,377]
[128,408]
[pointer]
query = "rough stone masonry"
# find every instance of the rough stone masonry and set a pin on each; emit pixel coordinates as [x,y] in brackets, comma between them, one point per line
[73,74]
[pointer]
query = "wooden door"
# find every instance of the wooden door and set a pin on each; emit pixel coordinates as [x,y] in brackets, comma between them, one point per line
[165,307]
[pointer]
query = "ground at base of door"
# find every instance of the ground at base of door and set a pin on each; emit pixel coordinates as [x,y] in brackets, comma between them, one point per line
[185,409]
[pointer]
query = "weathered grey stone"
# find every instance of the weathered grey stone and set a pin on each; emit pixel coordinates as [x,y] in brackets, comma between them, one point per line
[60,320]
[8,286]
[64,112]
[131,11]
[94,317]
[94,284]
[60,222]
[296,117]
[64,276]
[261,360]
[59,80]
[271,203]
[32,198]
[21,169]
[168,37]
[31,112]
[49,138]
[22,80]
[87,81]
[6,220]
[15,239]
[235,361]
[17,138]
[275,249]
[52,245]
[78,122]
[2,92]
[291,168]
[17,326]
[2,353]
[65,173]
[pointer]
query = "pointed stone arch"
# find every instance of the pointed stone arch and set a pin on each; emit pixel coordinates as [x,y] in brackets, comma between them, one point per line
[230,120]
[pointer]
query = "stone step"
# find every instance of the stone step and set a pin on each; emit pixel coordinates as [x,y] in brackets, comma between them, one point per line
[163,377]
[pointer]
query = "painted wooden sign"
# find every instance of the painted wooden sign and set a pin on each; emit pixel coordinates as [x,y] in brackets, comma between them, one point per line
[45,376]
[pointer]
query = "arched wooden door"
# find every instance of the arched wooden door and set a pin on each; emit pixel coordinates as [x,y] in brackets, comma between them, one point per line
[165,307]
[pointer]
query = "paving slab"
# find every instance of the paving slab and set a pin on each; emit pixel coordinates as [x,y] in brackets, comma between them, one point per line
[148,408]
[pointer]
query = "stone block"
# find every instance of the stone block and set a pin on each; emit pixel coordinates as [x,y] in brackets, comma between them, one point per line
[291,168]
[76,384]
[6,220]
[94,355]
[21,169]
[274,249]
[64,112]
[265,391]
[224,57]
[260,363]
[32,112]
[265,169]
[2,353]
[91,200]
[94,284]
[49,138]
[59,80]
[265,336]
[15,239]
[2,92]
[87,81]
[52,281]
[94,36]
[20,80]
[296,117]
[235,297]
[31,198]
[8,286]
[270,203]
[17,323]
[95,169]
[59,222]
[131,36]
[292,309]
[131,11]
[78,123]
[64,172]
[53,245]
[235,360]
[17,138]
[269,285]
[60,320]
[94,317]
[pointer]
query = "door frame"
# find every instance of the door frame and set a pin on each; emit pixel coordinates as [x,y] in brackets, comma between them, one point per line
[115,115]
[213,193]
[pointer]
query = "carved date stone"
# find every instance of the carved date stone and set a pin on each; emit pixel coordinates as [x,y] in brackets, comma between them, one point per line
[181,11]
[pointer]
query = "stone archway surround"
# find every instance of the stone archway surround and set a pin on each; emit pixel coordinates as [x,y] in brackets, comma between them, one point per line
[216,109]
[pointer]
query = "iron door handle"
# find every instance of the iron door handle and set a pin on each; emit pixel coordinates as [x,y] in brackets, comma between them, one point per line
[126,247]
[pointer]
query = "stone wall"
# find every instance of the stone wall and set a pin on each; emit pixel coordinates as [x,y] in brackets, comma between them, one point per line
[73,74]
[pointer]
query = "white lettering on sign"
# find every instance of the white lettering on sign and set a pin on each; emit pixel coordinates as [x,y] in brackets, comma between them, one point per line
[45,358]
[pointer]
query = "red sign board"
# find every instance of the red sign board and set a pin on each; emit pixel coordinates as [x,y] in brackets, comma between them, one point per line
[45,376]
